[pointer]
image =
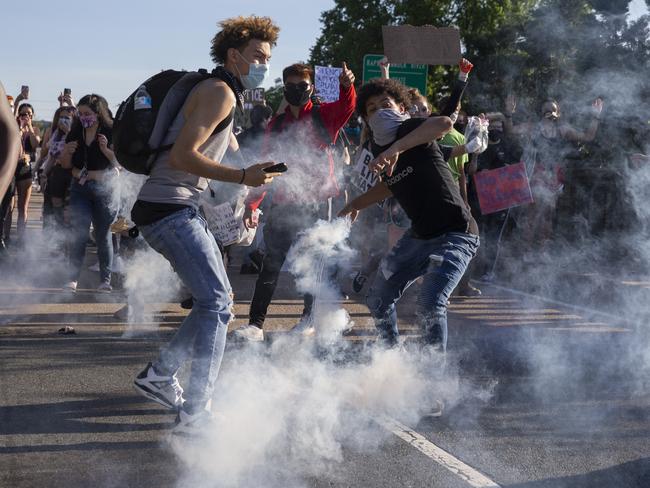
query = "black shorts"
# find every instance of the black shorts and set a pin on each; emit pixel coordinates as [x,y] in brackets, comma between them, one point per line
[23,171]
[58,181]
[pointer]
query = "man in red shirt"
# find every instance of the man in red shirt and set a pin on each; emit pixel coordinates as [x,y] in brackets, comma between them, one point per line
[302,136]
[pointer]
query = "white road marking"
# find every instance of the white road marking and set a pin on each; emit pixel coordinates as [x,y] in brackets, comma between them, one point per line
[439,455]
[586,310]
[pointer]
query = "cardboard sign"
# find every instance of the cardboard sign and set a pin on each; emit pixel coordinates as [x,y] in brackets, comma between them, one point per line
[253,97]
[502,188]
[364,179]
[327,83]
[421,45]
[222,223]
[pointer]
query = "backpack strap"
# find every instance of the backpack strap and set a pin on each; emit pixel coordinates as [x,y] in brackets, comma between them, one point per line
[223,125]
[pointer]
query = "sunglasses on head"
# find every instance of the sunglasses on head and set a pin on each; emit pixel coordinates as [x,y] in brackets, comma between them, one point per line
[303,86]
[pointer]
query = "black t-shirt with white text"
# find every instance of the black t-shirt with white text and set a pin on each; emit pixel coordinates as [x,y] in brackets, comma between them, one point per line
[423,185]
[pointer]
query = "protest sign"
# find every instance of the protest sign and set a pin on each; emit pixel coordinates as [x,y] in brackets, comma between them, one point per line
[502,188]
[251,98]
[421,45]
[327,83]
[364,179]
[222,223]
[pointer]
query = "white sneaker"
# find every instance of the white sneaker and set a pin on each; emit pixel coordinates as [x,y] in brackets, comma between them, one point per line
[71,287]
[165,390]
[436,410]
[250,333]
[192,425]
[305,327]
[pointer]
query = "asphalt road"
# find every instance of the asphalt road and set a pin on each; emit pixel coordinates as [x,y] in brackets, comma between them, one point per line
[547,396]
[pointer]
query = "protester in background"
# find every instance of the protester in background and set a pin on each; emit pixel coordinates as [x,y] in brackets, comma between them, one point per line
[88,154]
[501,151]
[57,178]
[310,184]
[457,166]
[548,142]
[9,153]
[30,140]
[443,236]
[167,216]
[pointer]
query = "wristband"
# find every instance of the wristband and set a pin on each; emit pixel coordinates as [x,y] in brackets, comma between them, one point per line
[243,176]
[463,76]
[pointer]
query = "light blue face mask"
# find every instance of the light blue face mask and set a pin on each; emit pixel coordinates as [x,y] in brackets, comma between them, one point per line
[257,74]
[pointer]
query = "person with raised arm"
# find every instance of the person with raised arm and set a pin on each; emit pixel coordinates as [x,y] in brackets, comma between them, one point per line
[443,236]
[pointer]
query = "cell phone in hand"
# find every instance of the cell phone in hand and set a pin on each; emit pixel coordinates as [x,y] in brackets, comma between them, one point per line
[67,91]
[24,91]
[277,168]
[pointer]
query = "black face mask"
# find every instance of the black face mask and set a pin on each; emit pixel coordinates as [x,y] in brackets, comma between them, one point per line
[495,136]
[296,95]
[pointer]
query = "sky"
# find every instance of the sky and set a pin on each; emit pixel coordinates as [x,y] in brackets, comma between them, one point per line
[111,47]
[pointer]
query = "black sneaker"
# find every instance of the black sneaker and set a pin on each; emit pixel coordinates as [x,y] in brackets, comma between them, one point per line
[188,303]
[358,282]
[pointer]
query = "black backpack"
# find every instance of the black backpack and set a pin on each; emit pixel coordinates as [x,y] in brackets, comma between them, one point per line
[138,134]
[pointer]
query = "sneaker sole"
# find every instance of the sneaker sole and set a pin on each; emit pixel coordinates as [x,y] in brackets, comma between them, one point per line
[146,392]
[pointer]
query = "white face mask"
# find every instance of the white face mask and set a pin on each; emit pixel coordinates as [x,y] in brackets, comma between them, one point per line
[384,124]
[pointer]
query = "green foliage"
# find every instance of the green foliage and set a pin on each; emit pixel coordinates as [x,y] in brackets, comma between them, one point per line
[536,48]
[273,97]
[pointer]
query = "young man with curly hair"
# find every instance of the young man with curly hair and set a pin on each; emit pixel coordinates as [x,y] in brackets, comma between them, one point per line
[443,236]
[168,218]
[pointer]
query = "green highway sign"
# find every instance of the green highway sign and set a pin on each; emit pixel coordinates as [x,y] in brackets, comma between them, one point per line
[411,75]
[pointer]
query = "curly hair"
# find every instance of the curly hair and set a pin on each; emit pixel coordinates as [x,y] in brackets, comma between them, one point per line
[379,86]
[237,31]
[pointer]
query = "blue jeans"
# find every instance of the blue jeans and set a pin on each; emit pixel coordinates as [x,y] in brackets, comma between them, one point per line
[442,262]
[184,240]
[92,202]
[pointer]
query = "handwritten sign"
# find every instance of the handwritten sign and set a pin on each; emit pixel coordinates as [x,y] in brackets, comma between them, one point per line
[421,45]
[502,188]
[327,83]
[363,178]
[222,223]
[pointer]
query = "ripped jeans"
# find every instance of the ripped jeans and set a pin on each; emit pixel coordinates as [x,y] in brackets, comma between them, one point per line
[442,262]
